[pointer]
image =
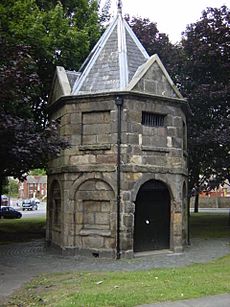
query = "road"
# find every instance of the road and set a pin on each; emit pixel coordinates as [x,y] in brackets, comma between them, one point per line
[36,213]
[42,210]
[212,210]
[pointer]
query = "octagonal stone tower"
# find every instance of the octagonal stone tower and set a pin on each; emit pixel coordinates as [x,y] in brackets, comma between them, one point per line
[121,188]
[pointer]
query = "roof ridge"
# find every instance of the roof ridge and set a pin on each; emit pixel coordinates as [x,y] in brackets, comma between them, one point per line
[116,73]
[94,54]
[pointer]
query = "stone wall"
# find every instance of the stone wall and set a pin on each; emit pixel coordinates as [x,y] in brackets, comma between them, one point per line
[212,202]
[87,172]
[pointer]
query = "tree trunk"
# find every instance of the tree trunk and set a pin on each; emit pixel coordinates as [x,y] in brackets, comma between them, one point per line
[196,204]
[1,183]
[188,222]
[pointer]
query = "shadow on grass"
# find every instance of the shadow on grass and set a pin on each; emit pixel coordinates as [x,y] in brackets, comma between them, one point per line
[202,225]
[209,225]
[21,230]
[127,288]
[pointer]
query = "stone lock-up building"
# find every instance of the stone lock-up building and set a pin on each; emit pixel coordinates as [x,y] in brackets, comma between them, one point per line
[121,187]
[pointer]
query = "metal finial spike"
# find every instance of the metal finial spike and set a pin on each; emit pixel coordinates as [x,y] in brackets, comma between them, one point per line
[119,6]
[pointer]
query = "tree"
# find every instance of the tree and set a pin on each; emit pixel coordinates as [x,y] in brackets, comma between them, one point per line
[199,66]
[24,143]
[158,43]
[38,172]
[11,187]
[35,37]
[104,14]
[206,85]
[58,33]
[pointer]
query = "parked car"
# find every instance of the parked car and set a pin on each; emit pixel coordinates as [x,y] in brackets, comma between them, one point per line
[36,200]
[29,204]
[4,200]
[7,212]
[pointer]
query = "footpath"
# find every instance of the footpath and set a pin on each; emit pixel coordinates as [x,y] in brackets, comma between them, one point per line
[20,262]
[210,301]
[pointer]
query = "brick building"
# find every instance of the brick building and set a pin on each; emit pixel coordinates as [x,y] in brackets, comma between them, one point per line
[33,186]
[121,188]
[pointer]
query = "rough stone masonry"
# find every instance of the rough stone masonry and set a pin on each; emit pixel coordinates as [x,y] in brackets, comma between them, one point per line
[121,188]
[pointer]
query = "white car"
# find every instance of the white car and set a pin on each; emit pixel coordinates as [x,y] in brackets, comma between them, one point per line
[29,204]
[35,200]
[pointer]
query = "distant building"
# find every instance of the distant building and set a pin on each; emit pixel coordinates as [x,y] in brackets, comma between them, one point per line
[222,191]
[33,186]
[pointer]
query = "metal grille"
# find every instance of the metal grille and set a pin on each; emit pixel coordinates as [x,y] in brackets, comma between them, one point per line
[152,119]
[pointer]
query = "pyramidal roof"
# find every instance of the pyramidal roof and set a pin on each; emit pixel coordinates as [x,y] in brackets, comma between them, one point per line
[118,62]
[113,61]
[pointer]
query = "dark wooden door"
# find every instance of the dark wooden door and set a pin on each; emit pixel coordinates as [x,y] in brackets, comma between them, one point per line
[152,217]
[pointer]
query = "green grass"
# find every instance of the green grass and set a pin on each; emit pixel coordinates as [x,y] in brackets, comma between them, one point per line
[209,225]
[21,230]
[126,288]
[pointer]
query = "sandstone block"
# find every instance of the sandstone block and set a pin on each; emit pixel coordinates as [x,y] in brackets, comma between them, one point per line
[92,242]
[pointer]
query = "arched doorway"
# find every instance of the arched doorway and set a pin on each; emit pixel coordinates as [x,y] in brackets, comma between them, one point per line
[152,217]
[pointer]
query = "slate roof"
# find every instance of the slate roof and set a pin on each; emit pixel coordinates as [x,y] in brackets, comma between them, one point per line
[118,62]
[113,62]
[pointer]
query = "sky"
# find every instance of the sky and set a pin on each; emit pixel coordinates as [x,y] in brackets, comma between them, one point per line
[171,16]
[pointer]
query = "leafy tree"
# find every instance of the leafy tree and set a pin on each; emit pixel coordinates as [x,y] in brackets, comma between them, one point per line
[149,35]
[35,37]
[5,183]
[156,42]
[11,187]
[206,85]
[24,144]
[104,14]
[58,33]
[38,172]
[200,68]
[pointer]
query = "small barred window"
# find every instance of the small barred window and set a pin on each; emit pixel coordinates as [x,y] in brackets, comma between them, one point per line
[152,119]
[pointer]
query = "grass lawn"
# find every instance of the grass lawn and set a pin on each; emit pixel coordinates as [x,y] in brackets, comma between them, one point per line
[209,225]
[18,230]
[126,288]
[133,288]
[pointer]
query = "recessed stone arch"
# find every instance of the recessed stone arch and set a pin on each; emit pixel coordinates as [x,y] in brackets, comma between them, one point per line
[90,176]
[95,215]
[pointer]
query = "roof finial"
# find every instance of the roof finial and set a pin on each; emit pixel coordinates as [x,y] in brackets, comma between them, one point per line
[119,6]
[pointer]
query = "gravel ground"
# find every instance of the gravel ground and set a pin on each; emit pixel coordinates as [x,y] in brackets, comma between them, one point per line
[20,262]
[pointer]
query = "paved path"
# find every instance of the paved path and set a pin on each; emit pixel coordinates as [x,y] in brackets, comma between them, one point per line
[20,262]
[210,301]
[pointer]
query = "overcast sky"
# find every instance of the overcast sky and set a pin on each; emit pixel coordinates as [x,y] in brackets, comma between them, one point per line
[171,16]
